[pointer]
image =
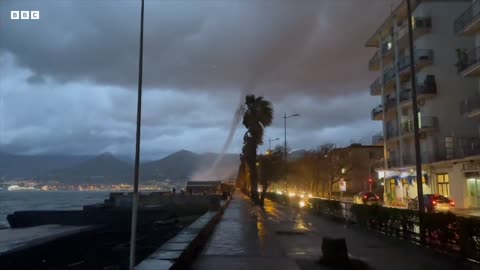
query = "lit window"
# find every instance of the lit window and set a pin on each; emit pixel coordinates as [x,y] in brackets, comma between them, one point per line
[443,184]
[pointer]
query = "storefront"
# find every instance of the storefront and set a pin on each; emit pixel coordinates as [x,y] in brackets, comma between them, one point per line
[402,186]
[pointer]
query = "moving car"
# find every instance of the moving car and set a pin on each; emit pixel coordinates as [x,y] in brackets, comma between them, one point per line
[366,197]
[433,203]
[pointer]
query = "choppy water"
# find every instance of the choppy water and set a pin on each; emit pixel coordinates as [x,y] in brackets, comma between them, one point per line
[11,201]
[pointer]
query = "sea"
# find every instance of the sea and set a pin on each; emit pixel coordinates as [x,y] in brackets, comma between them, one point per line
[21,200]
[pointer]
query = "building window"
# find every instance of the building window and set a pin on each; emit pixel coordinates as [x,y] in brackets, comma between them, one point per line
[393,184]
[443,184]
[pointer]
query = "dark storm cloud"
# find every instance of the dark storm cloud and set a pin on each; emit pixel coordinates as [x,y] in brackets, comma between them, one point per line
[312,47]
[68,80]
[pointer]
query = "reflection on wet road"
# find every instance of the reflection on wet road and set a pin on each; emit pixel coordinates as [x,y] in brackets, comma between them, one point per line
[282,237]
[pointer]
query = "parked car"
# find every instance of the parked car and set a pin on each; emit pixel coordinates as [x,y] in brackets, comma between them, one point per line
[433,203]
[366,197]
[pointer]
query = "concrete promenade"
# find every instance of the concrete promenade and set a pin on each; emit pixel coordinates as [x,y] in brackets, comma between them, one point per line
[281,237]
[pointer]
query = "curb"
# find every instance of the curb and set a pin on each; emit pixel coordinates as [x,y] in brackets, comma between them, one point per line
[181,250]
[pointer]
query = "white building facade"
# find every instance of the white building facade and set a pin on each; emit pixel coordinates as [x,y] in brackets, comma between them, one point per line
[446,136]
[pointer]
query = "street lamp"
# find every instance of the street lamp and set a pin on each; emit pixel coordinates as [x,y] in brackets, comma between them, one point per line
[133,234]
[285,149]
[270,143]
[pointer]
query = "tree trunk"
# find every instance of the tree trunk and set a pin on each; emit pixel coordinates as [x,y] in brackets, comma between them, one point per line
[323,188]
[263,194]
[252,164]
[330,184]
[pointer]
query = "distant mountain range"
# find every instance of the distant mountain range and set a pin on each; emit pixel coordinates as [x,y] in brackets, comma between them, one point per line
[107,168]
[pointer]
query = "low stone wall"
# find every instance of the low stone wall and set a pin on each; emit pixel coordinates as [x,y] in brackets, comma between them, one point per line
[180,251]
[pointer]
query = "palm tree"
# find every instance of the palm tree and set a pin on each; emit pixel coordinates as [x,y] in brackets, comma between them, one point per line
[257,116]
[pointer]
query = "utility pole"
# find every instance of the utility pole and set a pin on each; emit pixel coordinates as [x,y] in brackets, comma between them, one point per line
[133,234]
[285,146]
[416,128]
[285,149]
[270,143]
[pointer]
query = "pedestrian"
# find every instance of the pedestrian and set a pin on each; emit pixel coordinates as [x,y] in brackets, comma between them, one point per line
[174,190]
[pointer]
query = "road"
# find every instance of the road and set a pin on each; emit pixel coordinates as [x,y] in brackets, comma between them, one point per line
[282,237]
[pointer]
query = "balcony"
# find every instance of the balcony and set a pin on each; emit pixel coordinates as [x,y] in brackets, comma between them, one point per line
[394,162]
[377,113]
[426,124]
[468,63]
[388,81]
[469,21]
[426,90]
[470,107]
[391,107]
[376,88]
[422,59]
[377,139]
[458,147]
[374,63]
[421,26]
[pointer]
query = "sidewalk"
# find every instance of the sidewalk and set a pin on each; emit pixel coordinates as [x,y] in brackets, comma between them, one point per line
[287,238]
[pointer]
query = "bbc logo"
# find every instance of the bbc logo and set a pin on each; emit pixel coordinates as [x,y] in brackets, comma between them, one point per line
[25,15]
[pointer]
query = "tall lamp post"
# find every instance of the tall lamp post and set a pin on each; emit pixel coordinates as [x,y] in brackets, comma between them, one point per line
[285,117]
[133,233]
[270,143]
[416,129]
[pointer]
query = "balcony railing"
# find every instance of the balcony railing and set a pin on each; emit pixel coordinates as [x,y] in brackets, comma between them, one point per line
[375,60]
[467,59]
[394,162]
[458,147]
[454,148]
[388,75]
[376,86]
[429,87]
[391,103]
[470,106]
[420,55]
[421,25]
[426,122]
[467,18]
[377,111]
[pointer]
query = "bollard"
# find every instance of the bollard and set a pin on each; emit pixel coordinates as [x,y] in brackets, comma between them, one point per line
[334,251]
[335,256]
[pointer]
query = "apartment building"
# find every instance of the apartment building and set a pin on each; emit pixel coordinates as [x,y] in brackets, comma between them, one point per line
[445,134]
[467,24]
[359,163]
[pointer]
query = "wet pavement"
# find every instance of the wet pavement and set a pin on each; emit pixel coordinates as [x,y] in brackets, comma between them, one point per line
[281,237]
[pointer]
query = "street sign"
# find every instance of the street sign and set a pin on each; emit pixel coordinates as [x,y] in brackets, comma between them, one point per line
[342,185]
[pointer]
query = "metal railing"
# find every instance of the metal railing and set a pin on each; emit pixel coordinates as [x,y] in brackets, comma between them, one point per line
[375,87]
[467,17]
[422,89]
[376,111]
[470,105]
[458,147]
[420,55]
[419,23]
[388,75]
[391,103]
[467,59]
[376,57]
[425,122]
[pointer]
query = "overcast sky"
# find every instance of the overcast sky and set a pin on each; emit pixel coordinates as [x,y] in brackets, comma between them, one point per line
[68,81]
